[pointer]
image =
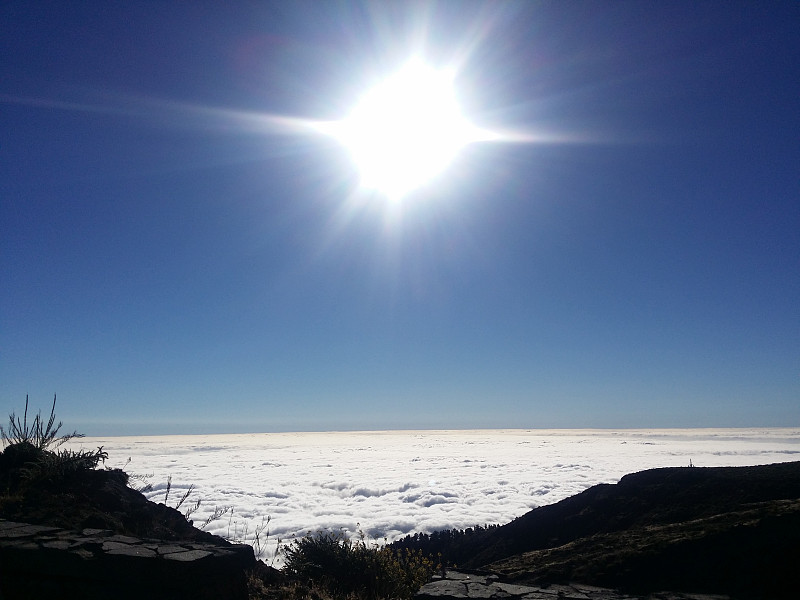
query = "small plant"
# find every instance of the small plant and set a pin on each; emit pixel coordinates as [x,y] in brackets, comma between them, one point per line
[218,513]
[183,498]
[142,485]
[31,449]
[37,434]
[258,539]
[191,508]
[57,465]
[355,568]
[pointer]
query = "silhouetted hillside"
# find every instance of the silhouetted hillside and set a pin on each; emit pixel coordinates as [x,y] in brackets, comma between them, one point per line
[730,530]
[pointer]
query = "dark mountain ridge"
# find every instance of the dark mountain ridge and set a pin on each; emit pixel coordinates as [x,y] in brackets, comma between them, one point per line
[656,496]
[733,530]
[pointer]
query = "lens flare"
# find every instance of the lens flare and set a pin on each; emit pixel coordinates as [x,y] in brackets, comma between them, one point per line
[406,130]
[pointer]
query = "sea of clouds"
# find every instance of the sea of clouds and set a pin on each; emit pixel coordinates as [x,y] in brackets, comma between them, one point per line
[392,483]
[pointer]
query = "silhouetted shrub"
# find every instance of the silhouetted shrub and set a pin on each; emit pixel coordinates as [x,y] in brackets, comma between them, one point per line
[30,454]
[354,568]
[39,435]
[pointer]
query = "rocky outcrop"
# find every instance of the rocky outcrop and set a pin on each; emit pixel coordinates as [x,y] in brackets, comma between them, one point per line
[37,561]
[723,530]
[648,498]
[88,498]
[748,553]
[70,530]
[456,585]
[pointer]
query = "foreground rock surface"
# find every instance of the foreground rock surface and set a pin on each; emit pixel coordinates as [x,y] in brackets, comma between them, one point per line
[456,585]
[85,498]
[37,561]
[68,531]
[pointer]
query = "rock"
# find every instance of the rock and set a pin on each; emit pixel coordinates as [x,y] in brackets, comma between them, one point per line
[459,585]
[36,562]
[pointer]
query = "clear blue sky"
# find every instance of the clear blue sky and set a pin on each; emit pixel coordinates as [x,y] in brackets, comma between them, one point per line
[173,262]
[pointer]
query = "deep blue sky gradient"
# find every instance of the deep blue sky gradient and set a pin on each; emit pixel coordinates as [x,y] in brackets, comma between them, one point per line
[167,265]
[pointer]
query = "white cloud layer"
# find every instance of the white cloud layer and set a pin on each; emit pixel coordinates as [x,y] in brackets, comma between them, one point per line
[397,482]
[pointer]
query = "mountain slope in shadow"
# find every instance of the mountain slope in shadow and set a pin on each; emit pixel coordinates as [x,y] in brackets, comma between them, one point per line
[730,530]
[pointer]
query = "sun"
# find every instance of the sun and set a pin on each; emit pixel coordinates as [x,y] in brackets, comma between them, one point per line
[406,130]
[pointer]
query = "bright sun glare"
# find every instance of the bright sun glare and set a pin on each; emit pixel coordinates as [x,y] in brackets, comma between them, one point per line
[406,130]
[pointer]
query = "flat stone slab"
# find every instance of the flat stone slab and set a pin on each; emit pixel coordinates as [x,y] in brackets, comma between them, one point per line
[118,549]
[459,586]
[97,564]
[90,532]
[124,539]
[91,542]
[170,549]
[188,555]
[57,545]
[516,590]
[444,588]
[20,530]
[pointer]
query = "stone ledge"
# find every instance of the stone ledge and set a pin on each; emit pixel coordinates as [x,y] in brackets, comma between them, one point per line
[96,564]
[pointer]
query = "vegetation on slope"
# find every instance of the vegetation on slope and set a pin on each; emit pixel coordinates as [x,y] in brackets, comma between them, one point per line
[41,483]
